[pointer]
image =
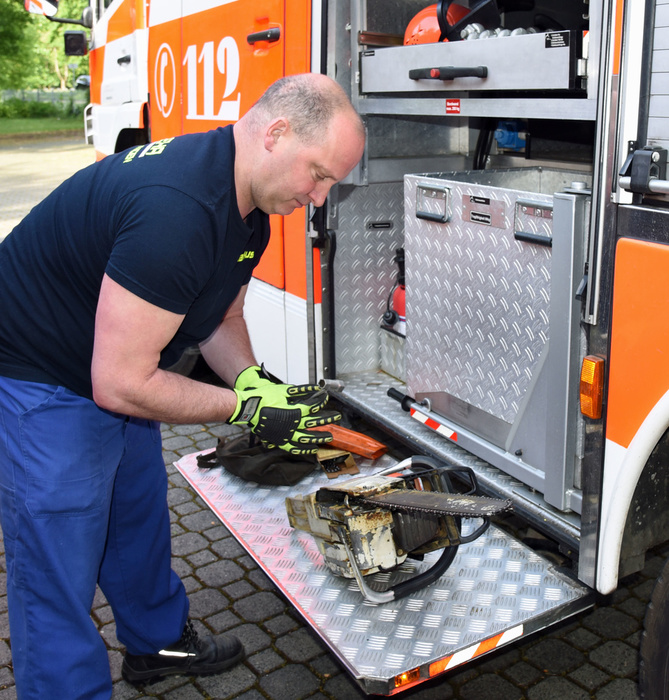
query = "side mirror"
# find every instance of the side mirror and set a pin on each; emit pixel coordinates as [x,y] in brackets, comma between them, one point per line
[42,7]
[76,43]
[87,17]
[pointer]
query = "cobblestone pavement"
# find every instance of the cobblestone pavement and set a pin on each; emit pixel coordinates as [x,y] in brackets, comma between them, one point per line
[591,656]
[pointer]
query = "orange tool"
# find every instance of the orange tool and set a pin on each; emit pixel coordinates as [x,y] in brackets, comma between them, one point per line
[352,441]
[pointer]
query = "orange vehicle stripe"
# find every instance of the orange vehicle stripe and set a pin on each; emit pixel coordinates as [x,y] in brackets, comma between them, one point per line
[298,30]
[96,62]
[639,361]
[297,59]
[295,253]
[618,36]
[141,12]
[128,16]
[270,269]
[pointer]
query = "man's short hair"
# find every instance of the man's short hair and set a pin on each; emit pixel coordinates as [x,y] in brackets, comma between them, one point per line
[307,103]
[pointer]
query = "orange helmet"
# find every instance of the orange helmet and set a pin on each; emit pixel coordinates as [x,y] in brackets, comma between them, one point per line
[424,27]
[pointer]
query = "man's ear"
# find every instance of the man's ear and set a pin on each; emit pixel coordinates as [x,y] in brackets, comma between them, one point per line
[275,130]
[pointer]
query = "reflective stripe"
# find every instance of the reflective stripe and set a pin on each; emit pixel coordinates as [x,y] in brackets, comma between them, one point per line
[475,650]
[431,423]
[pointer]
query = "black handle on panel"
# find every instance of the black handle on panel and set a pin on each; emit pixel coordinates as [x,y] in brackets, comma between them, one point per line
[448,72]
[272,34]
[124,59]
[428,216]
[404,399]
[533,238]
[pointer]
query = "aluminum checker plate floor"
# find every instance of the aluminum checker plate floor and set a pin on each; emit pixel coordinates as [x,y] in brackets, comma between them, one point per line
[495,591]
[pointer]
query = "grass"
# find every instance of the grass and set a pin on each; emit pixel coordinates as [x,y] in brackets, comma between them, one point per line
[35,125]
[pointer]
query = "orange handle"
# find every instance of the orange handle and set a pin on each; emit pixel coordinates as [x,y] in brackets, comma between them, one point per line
[352,441]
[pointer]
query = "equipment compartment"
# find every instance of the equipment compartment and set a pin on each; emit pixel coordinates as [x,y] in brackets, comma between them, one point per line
[482,315]
[484,65]
[529,60]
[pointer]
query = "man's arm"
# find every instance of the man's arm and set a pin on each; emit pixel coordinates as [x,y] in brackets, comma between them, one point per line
[228,349]
[130,334]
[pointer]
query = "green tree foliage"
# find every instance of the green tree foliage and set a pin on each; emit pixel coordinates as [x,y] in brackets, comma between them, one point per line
[32,54]
[53,68]
[17,40]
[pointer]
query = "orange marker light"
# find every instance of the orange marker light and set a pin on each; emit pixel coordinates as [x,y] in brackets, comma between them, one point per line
[592,386]
[407,677]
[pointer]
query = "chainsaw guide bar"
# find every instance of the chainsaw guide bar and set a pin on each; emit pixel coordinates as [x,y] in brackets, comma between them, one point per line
[453,504]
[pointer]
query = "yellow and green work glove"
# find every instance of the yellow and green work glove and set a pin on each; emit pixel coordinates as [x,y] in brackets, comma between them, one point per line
[280,414]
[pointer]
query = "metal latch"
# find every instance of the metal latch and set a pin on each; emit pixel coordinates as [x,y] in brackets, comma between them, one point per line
[644,171]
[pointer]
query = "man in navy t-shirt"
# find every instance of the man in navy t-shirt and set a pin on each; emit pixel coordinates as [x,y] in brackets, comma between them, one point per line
[103,286]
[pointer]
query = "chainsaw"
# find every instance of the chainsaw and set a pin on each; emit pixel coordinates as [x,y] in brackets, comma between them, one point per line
[372,524]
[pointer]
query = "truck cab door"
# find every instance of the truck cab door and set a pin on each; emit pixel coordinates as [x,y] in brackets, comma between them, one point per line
[118,52]
[209,63]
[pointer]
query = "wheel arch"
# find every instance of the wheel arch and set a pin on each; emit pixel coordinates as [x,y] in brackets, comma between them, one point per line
[635,498]
[136,136]
[647,522]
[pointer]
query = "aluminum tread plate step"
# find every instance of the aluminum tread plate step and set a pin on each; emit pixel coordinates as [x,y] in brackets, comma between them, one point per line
[367,392]
[496,588]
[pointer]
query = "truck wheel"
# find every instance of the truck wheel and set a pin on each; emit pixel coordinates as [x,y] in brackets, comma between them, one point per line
[128,138]
[654,649]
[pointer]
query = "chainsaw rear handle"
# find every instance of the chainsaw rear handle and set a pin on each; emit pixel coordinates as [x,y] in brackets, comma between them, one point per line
[401,589]
[427,577]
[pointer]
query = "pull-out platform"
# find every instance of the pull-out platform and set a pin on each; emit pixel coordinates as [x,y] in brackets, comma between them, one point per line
[496,591]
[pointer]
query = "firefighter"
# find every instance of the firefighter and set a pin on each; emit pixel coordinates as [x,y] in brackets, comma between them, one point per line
[103,285]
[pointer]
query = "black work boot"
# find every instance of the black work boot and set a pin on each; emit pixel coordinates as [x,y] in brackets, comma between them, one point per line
[191,655]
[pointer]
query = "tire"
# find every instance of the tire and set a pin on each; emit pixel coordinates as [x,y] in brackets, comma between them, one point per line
[128,138]
[654,649]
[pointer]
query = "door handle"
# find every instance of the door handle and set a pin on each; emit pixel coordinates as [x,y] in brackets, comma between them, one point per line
[123,59]
[448,73]
[270,35]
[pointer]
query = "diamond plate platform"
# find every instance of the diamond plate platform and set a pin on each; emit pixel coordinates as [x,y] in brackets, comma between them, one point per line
[497,590]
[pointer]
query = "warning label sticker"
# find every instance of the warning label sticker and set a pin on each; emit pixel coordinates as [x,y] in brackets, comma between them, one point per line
[557,40]
[480,218]
[452,106]
[482,210]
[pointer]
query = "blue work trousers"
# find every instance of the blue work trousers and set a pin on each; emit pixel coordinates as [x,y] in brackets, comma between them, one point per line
[83,500]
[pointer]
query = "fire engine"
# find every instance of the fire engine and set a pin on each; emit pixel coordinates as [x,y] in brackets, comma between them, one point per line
[488,285]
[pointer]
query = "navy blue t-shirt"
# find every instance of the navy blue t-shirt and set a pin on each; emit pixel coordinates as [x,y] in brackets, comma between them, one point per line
[161,220]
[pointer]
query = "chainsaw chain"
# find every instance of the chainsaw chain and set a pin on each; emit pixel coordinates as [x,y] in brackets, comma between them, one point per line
[454,505]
